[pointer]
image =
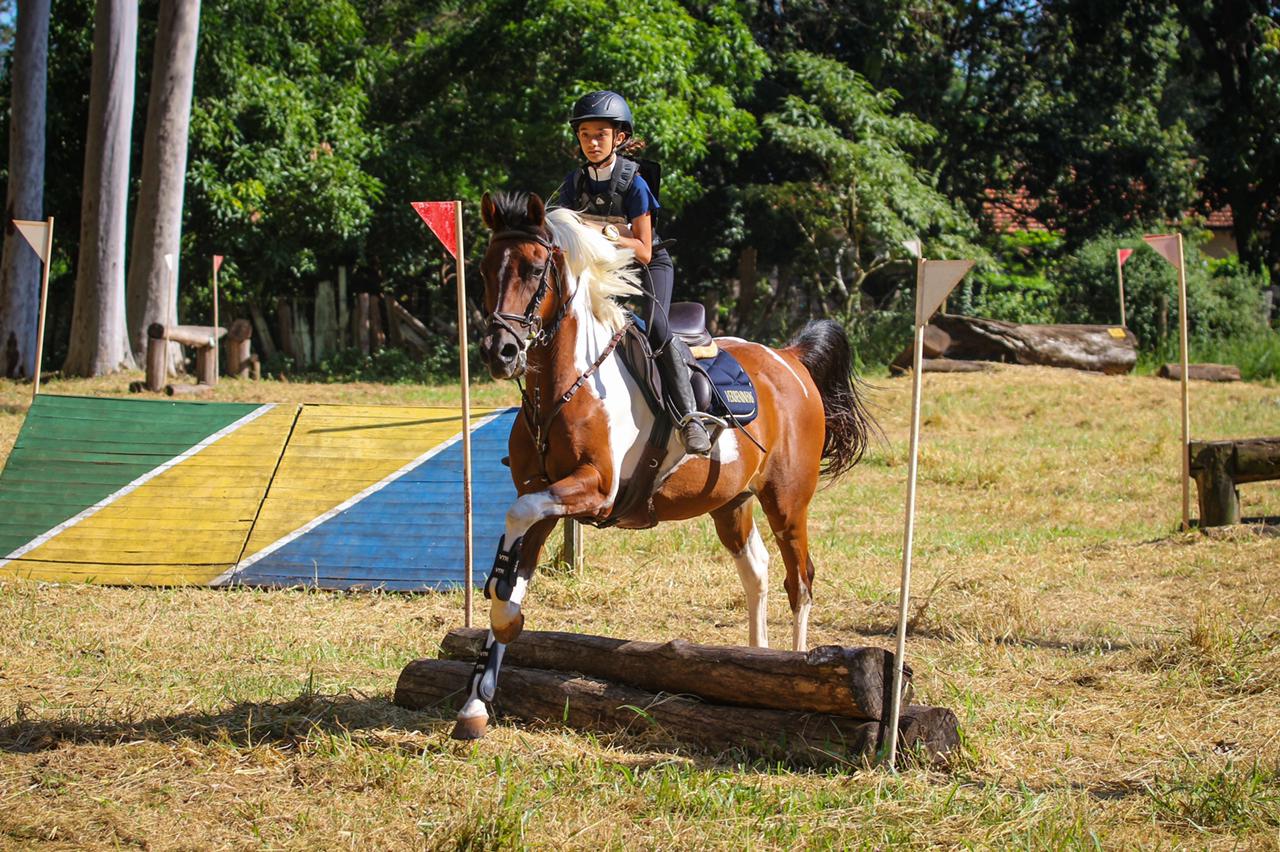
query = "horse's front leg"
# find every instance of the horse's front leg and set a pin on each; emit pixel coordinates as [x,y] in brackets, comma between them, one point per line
[529,522]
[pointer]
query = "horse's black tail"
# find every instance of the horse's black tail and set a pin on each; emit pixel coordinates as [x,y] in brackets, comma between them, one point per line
[823,348]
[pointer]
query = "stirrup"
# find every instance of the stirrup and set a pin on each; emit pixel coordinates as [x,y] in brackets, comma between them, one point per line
[713,433]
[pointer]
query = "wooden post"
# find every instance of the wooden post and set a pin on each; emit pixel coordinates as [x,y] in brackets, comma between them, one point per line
[361,319]
[1186,400]
[326,321]
[917,372]
[573,545]
[157,359]
[207,365]
[344,330]
[215,323]
[1120,280]
[238,344]
[377,334]
[465,378]
[44,300]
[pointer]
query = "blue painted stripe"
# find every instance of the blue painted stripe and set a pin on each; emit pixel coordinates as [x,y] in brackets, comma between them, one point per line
[407,536]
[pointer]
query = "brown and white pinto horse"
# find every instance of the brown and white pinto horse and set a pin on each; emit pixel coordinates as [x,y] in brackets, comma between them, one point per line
[550,283]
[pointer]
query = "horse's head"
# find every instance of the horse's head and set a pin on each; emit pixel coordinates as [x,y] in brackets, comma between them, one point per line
[518,277]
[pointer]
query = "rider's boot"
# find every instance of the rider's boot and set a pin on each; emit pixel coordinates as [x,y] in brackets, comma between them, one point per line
[679,393]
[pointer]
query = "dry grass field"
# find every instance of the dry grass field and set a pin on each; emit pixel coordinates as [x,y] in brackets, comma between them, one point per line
[1117,681]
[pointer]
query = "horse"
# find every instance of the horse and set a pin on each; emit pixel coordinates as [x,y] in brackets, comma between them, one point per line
[551,285]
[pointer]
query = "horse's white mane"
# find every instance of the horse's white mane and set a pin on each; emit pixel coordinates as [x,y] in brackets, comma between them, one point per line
[597,264]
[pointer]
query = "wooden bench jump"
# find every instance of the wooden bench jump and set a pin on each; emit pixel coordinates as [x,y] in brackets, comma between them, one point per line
[1218,467]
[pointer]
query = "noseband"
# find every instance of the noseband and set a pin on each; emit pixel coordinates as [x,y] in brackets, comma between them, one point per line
[530,332]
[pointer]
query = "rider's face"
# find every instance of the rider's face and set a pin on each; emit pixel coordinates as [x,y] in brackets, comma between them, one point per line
[598,139]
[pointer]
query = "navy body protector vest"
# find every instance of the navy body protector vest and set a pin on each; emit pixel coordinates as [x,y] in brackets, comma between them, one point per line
[609,206]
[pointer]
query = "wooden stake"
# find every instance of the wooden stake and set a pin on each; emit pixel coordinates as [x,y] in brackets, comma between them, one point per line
[44,300]
[1120,279]
[215,317]
[1186,401]
[917,370]
[466,410]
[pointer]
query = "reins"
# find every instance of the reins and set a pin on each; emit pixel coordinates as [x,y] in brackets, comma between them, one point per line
[541,336]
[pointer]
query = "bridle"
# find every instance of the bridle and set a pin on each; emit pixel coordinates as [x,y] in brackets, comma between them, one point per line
[535,334]
[527,328]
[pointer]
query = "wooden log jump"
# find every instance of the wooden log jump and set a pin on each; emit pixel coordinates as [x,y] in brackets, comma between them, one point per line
[241,362]
[1219,467]
[202,338]
[824,708]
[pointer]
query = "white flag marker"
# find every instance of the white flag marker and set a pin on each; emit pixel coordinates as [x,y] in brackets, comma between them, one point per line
[934,280]
[1169,246]
[39,235]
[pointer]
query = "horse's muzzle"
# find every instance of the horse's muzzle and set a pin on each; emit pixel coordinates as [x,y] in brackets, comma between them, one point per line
[503,353]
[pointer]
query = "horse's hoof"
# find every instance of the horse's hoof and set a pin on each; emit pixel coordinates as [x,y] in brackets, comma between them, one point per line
[507,635]
[470,728]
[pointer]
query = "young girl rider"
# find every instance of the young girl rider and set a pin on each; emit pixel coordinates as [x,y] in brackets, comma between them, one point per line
[609,191]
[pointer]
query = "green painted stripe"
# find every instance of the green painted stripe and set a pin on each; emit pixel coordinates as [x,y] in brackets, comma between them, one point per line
[45,480]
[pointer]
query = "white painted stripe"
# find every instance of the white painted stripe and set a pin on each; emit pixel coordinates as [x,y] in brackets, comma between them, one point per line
[229,575]
[137,483]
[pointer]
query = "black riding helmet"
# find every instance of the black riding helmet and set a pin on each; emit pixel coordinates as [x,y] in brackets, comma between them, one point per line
[606,106]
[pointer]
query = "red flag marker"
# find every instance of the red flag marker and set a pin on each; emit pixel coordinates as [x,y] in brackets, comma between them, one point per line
[441,218]
[1122,255]
[217,263]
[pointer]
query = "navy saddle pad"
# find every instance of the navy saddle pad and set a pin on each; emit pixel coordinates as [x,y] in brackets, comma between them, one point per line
[733,394]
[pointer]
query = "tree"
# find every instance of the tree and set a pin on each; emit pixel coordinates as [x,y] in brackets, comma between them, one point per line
[20,269]
[99,339]
[157,224]
[844,191]
[1240,133]
[279,140]
[475,101]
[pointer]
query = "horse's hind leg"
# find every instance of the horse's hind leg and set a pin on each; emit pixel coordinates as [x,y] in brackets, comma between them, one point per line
[737,531]
[789,520]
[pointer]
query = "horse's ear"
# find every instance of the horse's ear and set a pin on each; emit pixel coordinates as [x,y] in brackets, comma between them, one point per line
[489,213]
[537,210]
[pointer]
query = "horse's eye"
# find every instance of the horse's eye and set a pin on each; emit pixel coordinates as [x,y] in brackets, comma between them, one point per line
[537,271]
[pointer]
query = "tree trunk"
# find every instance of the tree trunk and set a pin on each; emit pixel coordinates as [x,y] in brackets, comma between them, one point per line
[99,338]
[20,268]
[1100,348]
[157,223]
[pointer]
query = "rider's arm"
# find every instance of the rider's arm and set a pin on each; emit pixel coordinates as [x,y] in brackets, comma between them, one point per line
[641,239]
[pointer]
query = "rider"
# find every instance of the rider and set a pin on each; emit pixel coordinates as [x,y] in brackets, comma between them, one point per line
[608,190]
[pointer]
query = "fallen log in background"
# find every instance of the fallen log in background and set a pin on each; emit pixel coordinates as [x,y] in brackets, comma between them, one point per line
[1202,372]
[1099,348]
[853,682]
[809,739]
[944,365]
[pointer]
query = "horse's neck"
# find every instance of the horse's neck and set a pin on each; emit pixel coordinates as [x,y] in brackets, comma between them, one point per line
[579,341]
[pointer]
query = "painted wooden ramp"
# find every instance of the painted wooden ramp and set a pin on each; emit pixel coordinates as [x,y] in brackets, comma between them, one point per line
[126,491]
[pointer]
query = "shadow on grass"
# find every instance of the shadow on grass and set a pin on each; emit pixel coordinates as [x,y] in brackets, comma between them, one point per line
[1076,646]
[283,725]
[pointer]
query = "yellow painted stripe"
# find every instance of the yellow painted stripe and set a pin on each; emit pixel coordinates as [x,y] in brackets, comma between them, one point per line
[337,451]
[187,525]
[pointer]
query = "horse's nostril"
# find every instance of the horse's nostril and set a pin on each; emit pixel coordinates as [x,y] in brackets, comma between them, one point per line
[508,352]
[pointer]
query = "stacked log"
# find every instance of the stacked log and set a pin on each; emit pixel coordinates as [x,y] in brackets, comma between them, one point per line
[823,708]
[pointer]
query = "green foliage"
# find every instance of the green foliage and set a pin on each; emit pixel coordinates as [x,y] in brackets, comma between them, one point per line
[846,192]
[276,175]
[1224,300]
[1015,286]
